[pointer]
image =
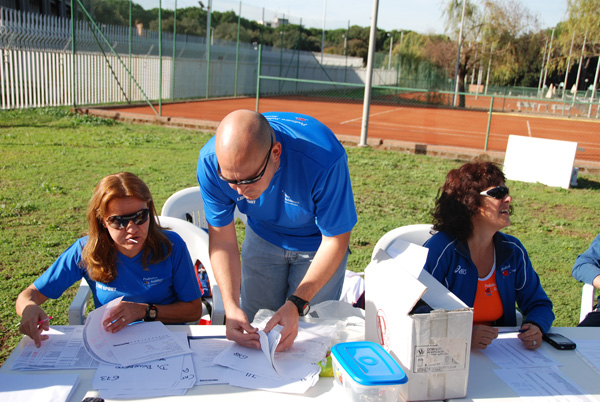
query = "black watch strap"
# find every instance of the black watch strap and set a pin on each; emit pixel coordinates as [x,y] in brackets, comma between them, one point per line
[151,312]
[302,305]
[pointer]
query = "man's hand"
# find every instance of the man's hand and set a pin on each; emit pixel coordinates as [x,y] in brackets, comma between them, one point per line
[33,322]
[483,335]
[287,316]
[531,337]
[239,330]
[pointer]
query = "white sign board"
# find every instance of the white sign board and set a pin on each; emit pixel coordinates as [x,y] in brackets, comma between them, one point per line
[538,160]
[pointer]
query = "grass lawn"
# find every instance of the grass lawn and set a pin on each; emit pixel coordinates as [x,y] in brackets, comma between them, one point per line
[51,160]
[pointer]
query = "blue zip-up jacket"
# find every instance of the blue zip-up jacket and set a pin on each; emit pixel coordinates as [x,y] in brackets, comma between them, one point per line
[449,261]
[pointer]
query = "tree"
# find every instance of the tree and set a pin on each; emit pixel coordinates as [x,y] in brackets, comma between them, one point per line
[583,24]
[497,25]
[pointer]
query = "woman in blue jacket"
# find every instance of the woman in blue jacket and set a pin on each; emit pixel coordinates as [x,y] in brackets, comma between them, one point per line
[487,269]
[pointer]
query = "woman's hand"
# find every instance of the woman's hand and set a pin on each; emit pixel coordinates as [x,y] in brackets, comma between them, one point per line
[531,336]
[482,336]
[124,314]
[33,322]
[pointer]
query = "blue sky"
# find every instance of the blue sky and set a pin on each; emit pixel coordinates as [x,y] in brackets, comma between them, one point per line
[424,16]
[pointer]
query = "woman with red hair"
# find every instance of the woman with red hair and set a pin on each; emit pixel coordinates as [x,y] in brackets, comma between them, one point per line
[126,253]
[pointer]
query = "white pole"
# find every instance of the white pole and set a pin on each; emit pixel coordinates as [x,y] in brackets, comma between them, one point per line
[568,66]
[594,88]
[323,35]
[579,69]
[542,70]
[391,46]
[460,41]
[367,98]
[548,60]
[487,78]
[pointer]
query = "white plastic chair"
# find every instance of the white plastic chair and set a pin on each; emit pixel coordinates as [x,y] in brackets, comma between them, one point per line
[197,244]
[588,300]
[417,234]
[187,204]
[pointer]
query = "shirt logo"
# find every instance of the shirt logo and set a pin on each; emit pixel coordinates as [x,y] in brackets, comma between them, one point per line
[105,288]
[300,118]
[460,270]
[152,281]
[288,200]
[506,270]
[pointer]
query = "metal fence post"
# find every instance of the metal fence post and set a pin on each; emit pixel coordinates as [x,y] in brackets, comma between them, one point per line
[258,75]
[487,133]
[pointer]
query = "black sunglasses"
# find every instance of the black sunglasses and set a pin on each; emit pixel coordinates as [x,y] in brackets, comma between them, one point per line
[252,179]
[121,221]
[498,192]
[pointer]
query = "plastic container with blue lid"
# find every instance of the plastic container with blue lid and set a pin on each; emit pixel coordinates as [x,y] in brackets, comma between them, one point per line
[366,371]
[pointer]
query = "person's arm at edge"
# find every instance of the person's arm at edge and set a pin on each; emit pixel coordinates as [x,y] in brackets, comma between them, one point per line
[28,308]
[225,260]
[587,265]
[330,254]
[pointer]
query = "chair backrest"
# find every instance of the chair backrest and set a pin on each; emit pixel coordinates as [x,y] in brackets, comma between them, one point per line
[587,300]
[417,234]
[196,240]
[187,205]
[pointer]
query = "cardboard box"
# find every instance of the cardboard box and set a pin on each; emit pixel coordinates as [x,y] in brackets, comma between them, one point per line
[432,347]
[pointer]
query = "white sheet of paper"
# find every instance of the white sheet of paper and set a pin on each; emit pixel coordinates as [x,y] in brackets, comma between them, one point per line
[248,380]
[62,350]
[296,363]
[590,350]
[94,337]
[134,344]
[140,394]
[543,384]
[205,349]
[168,373]
[507,351]
[44,388]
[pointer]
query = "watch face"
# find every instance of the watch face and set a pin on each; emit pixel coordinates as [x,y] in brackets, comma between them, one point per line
[152,314]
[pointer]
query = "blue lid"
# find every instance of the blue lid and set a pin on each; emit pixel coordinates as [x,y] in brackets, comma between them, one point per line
[368,363]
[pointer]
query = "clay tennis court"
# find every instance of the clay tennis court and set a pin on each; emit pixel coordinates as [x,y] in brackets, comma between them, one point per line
[421,126]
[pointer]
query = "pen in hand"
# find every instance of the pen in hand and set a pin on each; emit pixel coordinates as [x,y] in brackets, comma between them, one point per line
[44,320]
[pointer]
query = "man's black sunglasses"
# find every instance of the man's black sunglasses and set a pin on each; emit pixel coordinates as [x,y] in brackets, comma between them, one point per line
[121,221]
[252,179]
[498,192]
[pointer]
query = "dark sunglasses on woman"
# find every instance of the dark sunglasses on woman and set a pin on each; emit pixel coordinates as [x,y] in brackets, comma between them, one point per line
[121,221]
[498,192]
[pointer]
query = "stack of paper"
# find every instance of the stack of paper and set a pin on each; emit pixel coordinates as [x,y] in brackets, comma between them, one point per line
[134,344]
[156,378]
[62,350]
[41,388]
[205,349]
[293,371]
[531,373]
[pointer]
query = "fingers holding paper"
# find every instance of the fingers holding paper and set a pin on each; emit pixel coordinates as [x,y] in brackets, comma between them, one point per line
[123,314]
[286,316]
[239,330]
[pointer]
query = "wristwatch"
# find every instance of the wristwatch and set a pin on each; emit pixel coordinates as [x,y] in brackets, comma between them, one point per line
[151,312]
[302,305]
